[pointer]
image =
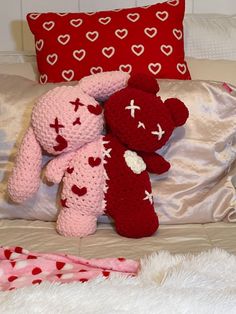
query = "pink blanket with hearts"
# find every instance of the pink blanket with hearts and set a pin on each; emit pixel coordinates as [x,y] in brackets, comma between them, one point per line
[20,268]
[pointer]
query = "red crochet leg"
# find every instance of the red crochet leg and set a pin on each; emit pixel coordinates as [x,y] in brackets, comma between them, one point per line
[137,223]
[129,200]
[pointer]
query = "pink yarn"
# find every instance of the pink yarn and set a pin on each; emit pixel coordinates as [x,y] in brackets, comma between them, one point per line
[85,174]
[67,121]
[23,183]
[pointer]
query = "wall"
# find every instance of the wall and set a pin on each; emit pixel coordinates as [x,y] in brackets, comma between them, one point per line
[15,35]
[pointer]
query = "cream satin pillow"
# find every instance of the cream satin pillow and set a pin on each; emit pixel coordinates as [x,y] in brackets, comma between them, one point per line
[199,186]
[217,70]
[210,36]
[25,70]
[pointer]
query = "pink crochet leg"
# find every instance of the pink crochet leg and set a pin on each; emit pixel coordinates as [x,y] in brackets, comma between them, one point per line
[72,223]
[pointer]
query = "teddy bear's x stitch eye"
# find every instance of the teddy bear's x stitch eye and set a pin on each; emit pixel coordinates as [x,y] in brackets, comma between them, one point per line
[141,125]
[132,107]
[159,132]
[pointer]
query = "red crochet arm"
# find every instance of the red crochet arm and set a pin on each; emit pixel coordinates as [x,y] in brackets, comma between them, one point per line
[155,163]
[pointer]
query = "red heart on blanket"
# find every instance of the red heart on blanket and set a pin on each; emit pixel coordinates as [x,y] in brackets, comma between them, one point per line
[13,264]
[83,280]
[97,110]
[106,273]
[31,257]
[94,162]
[7,253]
[82,270]
[80,192]
[121,259]
[60,265]
[18,249]
[12,278]
[36,271]
[36,281]
[59,275]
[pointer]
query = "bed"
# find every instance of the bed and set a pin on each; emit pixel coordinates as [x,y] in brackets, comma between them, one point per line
[196,201]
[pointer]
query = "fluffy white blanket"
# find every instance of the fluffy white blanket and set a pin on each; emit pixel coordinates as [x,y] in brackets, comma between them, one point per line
[202,283]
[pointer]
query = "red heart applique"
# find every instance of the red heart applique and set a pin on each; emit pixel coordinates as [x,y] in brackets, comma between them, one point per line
[94,162]
[80,192]
[97,110]
[121,259]
[36,271]
[60,265]
[62,143]
[70,170]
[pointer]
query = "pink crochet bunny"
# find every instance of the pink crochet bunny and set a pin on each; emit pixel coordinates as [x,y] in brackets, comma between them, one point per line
[67,123]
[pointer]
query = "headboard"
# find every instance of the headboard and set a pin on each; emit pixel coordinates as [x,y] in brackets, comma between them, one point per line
[15,34]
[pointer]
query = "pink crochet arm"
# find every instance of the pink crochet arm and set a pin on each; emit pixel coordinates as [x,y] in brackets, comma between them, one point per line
[25,178]
[56,168]
[100,86]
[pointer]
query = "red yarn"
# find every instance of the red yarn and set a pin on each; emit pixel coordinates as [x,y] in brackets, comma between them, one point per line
[134,217]
[137,120]
[145,82]
[178,110]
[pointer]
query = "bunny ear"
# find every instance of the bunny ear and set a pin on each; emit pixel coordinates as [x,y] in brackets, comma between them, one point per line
[101,85]
[25,178]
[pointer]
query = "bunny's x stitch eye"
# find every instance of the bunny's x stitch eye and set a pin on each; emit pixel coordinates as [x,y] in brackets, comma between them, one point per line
[56,125]
[76,103]
[132,107]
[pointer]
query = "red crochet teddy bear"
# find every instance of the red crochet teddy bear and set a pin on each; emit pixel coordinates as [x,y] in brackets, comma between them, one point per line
[139,123]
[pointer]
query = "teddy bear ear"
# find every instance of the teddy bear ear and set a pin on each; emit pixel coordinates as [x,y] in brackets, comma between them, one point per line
[145,82]
[178,110]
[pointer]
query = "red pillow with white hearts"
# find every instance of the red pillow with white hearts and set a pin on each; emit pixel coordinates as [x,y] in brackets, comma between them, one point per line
[147,39]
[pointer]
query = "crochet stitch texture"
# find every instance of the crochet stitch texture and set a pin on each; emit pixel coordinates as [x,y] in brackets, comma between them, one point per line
[100,174]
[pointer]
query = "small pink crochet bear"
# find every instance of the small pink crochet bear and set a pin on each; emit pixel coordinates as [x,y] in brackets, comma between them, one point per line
[67,122]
